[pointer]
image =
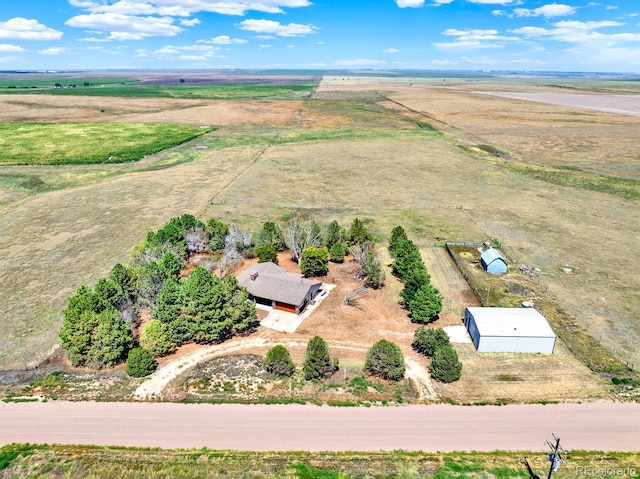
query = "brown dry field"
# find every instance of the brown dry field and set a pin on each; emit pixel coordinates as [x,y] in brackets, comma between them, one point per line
[50,243]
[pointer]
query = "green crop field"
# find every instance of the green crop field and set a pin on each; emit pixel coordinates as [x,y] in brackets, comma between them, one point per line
[219,92]
[88,143]
[49,82]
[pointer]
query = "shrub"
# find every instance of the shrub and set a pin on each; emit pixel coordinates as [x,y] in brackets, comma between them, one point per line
[428,341]
[140,363]
[278,361]
[445,366]
[385,360]
[266,254]
[314,261]
[156,338]
[317,362]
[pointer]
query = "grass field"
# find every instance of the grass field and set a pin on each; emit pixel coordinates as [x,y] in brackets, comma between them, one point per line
[34,461]
[88,143]
[359,150]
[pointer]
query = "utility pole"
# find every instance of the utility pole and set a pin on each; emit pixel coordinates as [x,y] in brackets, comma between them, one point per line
[554,458]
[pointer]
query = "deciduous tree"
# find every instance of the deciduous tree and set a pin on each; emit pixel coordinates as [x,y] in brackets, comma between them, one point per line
[314,261]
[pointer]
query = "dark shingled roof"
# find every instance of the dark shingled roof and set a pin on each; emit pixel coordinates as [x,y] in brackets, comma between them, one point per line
[276,283]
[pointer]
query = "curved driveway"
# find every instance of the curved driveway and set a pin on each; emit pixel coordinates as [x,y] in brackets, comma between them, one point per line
[593,426]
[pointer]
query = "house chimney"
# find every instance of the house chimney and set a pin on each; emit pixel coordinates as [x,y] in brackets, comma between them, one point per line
[254,275]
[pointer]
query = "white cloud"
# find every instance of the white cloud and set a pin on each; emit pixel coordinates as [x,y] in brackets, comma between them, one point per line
[53,51]
[390,50]
[276,28]
[186,8]
[6,48]
[190,23]
[474,39]
[359,62]
[126,27]
[547,11]
[265,46]
[319,43]
[580,33]
[24,29]
[437,3]
[410,3]
[497,2]
[224,40]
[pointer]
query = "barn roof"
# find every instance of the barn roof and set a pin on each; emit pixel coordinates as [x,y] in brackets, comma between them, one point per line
[276,283]
[511,322]
[491,255]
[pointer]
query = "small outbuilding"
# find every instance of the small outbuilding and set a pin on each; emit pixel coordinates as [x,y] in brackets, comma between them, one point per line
[271,285]
[493,262]
[509,330]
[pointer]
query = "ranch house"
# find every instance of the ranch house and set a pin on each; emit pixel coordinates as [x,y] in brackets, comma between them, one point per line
[269,284]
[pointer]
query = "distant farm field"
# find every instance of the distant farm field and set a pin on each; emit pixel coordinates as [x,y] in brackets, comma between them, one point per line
[31,81]
[87,143]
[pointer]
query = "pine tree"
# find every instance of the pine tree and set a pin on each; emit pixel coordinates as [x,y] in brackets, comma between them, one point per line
[385,360]
[317,362]
[428,341]
[156,338]
[358,234]
[426,304]
[140,363]
[445,366]
[278,361]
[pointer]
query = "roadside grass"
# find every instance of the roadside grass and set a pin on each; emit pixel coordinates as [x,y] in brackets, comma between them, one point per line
[219,92]
[87,143]
[51,461]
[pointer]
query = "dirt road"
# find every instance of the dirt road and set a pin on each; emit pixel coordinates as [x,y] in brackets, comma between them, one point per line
[593,426]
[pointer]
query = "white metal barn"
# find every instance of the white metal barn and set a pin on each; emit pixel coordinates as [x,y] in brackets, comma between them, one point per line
[509,330]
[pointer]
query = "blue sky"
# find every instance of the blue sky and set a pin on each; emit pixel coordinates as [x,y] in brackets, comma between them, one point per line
[562,35]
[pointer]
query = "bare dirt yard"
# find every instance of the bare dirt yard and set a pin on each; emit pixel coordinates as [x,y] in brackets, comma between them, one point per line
[362,148]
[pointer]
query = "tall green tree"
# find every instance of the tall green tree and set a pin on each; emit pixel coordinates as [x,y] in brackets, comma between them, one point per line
[80,320]
[218,231]
[372,269]
[426,304]
[445,366]
[278,361]
[111,340]
[414,279]
[335,234]
[270,235]
[385,360]
[398,234]
[156,338]
[358,233]
[314,261]
[337,252]
[318,364]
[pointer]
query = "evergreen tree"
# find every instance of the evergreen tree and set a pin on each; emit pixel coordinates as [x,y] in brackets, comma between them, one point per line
[80,319]
[428,341]
[111,340]
[314,261]
[426,304]
[385,360]
[445,366]
[397,235]
[156,338]
[278,361]
[270,235]
[407,256]
[358,234]
[218,231]
[140,363]
[372,269]
[414,279]
[169,267]
[335,234]
[337,252]
[317,362]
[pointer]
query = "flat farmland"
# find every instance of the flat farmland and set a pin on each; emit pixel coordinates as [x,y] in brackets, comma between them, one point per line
[339,155]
